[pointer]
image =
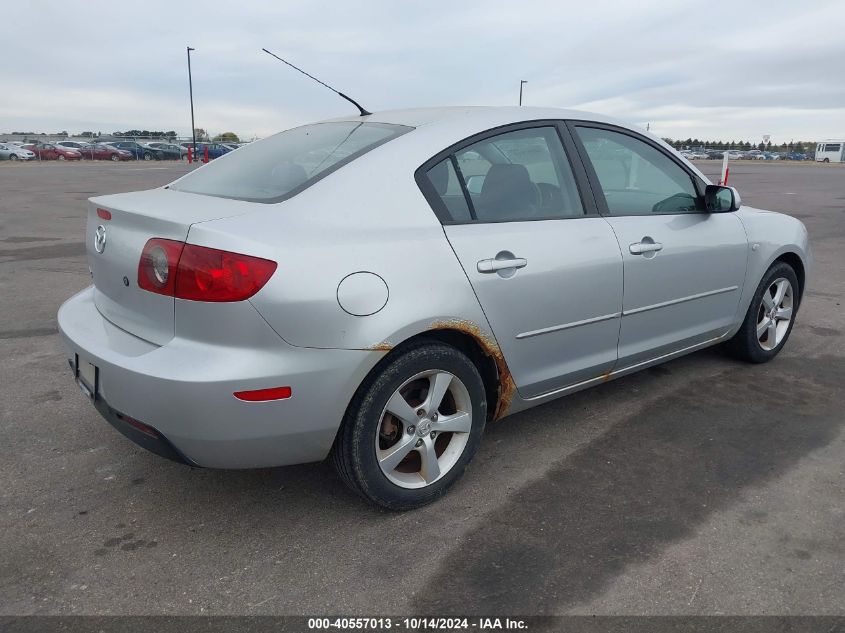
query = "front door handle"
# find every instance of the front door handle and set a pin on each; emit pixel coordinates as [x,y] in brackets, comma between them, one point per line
[641,248]
[495,265]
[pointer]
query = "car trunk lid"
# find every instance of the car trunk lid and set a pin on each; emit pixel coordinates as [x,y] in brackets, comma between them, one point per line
[118,228]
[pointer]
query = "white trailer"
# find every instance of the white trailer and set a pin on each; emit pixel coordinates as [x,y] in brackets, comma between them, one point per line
[830,151]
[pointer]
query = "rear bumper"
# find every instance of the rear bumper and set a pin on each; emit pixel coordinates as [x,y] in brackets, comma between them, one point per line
[148,438]
[184,389]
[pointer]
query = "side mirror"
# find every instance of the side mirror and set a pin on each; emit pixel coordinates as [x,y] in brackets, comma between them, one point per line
[718,199]
[475,183]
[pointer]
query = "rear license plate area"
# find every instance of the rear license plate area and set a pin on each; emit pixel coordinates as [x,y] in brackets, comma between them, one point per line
[87,377]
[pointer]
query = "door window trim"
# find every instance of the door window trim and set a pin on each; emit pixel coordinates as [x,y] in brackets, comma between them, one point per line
[570,152]
[598,192]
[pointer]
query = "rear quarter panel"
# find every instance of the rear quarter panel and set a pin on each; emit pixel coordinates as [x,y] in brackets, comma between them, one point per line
[368,216]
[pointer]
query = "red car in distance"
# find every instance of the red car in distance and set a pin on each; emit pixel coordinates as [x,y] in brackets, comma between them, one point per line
[101,151]
[48,151]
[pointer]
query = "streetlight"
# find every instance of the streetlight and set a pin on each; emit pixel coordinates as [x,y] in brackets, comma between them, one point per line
[521,81]
[191,93]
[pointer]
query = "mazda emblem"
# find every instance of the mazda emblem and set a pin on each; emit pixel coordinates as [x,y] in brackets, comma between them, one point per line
[100,239]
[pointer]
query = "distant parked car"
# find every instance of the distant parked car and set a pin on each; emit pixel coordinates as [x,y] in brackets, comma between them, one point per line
[215,150]
[183,149]
[50,151]
[77,145]
[168,151]
[138,151]
[696,155]
[104,151]
[14,152]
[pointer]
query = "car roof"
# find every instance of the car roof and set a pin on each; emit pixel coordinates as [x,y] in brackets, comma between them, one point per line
[488,116]
[439,128]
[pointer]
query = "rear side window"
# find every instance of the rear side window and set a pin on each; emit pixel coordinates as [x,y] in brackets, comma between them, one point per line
[832,147]
[510,177]
[444,179]
[285,164]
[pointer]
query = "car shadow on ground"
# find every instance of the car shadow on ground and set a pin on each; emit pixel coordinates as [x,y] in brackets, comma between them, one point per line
[647,482]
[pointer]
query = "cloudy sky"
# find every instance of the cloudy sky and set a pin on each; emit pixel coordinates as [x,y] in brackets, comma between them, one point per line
[705,68]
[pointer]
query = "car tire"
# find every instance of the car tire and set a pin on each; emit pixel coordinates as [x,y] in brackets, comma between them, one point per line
[148,156]
[826,160]
[387,458]
[770,317]
[61,157]
[115,157]
[13,157]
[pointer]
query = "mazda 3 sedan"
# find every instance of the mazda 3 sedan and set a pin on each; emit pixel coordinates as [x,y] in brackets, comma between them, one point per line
[376,289]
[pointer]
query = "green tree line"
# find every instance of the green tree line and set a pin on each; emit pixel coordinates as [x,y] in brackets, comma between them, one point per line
[792,146]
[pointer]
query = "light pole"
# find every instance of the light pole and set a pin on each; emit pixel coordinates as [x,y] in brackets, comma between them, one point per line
[521,82]
[191,93]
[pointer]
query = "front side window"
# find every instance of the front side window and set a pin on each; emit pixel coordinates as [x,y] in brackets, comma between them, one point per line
[635,177]
[282,165]
[514,176]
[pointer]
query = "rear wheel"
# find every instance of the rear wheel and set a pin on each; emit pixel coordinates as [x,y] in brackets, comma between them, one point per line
[148,156]
[115,157]
[412,427]
[770,316]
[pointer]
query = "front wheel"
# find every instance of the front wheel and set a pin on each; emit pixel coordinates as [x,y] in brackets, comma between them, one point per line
[115,157]
[770,316]
[826,160]
[412,428]
[148,156]
[61,157]
[13,157]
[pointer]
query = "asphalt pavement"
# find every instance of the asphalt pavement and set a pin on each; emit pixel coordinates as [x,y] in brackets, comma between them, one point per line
[701,486]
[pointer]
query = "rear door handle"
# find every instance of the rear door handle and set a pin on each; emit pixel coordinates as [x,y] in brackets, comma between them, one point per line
[495,265]
[640,248]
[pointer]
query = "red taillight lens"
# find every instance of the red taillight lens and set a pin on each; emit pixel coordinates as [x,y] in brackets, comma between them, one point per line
[197,273]
[158,265]
[208,274]
[104,214]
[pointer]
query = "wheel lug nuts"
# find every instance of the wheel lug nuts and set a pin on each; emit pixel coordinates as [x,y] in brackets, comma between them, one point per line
[433,434]
[411,429]
[434,417]
[421,412]
[419,443]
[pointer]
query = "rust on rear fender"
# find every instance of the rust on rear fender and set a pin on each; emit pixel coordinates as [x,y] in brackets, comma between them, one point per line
[384,346]
[507,387]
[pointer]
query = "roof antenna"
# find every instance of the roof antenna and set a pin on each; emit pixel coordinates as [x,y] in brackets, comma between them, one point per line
[349,99]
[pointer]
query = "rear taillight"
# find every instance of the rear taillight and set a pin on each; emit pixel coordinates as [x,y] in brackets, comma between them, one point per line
[157,268]
[197,273]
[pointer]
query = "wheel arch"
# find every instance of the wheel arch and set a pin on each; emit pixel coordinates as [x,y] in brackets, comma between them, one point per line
[794,260]
[481,349]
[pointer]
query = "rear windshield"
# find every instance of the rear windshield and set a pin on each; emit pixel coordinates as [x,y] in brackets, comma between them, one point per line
[281,166]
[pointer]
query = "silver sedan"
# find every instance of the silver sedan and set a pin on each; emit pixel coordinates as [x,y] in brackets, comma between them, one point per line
[376,289]
[10,151]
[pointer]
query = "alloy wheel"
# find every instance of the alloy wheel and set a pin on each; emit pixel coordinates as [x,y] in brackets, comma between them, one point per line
[424,429]
[775,314]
